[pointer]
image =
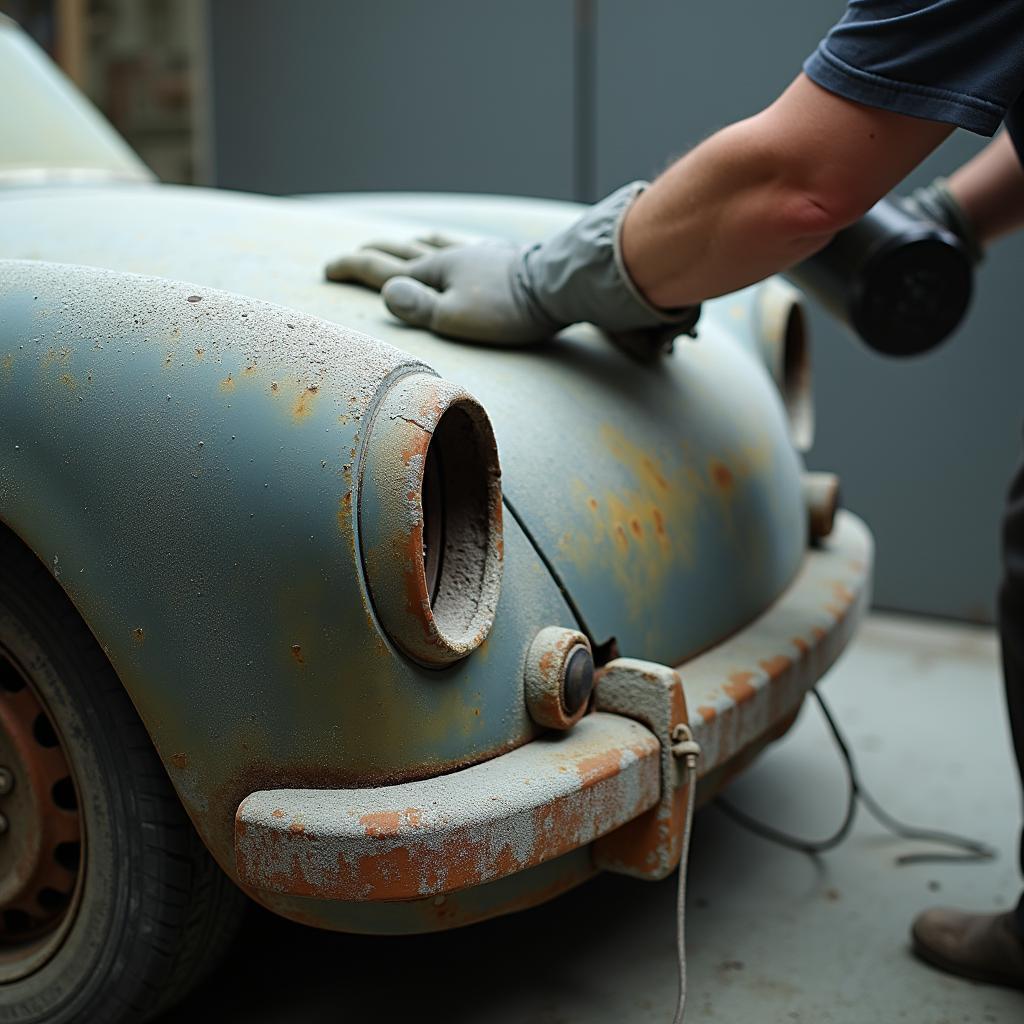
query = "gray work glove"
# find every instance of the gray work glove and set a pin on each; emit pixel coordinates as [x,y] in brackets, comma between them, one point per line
[935,202]
[505,294]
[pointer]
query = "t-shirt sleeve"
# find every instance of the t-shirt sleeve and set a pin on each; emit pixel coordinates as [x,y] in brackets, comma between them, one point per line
[956,61]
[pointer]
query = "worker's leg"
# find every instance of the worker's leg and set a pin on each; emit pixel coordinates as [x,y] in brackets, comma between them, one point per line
[1011,633]
[990,947]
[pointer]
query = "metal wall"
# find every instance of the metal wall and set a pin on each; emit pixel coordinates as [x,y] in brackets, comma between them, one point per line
[465,95]
[569,99]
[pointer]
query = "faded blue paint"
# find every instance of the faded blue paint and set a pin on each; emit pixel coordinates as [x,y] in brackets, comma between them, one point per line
[200,529]
[575,421]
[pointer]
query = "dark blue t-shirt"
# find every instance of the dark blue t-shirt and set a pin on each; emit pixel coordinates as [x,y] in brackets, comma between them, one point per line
[956,61]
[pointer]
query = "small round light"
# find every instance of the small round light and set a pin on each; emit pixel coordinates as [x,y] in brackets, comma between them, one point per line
[579,679]
[559,677]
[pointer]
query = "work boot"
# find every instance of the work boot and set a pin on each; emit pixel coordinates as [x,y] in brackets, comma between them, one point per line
[984,947]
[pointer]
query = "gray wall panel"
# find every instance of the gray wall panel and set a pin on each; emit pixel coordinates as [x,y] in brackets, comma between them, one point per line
[472,95]
[924,448]
[480,96]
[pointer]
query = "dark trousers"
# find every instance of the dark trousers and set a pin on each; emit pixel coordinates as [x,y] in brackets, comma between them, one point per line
[1011,632]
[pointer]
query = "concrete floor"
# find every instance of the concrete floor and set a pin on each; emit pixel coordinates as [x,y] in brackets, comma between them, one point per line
[775,937]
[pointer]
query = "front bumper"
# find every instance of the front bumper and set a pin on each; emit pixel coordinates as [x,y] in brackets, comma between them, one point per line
[608,782]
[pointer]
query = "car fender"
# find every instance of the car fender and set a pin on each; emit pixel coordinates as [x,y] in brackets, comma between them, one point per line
[183,461]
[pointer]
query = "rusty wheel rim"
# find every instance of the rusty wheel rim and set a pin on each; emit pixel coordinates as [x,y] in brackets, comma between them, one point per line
[42,840]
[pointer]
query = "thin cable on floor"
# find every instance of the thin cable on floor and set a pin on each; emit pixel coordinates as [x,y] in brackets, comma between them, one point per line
[686,749]
[969,849]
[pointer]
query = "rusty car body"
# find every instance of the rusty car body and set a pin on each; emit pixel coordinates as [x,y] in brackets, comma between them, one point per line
[220,457]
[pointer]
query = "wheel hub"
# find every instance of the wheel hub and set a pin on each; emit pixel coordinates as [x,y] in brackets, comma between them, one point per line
[40,826]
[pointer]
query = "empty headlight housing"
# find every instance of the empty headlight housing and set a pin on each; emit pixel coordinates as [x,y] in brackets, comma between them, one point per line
[430,519]
[784,341]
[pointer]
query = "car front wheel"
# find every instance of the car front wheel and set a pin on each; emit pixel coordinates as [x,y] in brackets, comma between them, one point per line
[111,908]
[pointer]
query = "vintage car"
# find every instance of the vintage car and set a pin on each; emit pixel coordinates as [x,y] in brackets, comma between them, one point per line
[301,605]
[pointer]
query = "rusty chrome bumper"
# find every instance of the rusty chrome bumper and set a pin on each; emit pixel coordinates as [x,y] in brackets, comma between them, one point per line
[609,782]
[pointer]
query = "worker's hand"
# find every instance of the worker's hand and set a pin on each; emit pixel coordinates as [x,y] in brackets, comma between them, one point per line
[502,294]
[936,203]
[472,292]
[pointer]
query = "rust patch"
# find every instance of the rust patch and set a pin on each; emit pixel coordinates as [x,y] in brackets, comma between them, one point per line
[179,760]
[653,473]
[228,384]
[776,665]
[708,713]
[592,502]
[277,812]
[800,644]
[297,828]
[383,823]
[738,687]
[303,406]
[659,524]
[414,580]
[296,652]
[721,475]
[53,356]
[643,845]
[620,537]
[139,635]
[634,525]
[601,766]
[345,514]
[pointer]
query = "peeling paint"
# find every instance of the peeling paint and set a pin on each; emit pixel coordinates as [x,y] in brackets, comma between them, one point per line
[446,834]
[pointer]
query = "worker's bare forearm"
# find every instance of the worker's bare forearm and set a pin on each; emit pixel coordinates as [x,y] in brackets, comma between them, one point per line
[990,190]
[722,217]
[767,192]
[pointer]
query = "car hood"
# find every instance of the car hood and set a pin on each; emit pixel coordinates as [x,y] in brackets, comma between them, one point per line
[664,498]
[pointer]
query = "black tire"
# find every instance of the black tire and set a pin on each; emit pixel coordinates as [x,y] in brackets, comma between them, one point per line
[153,912]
